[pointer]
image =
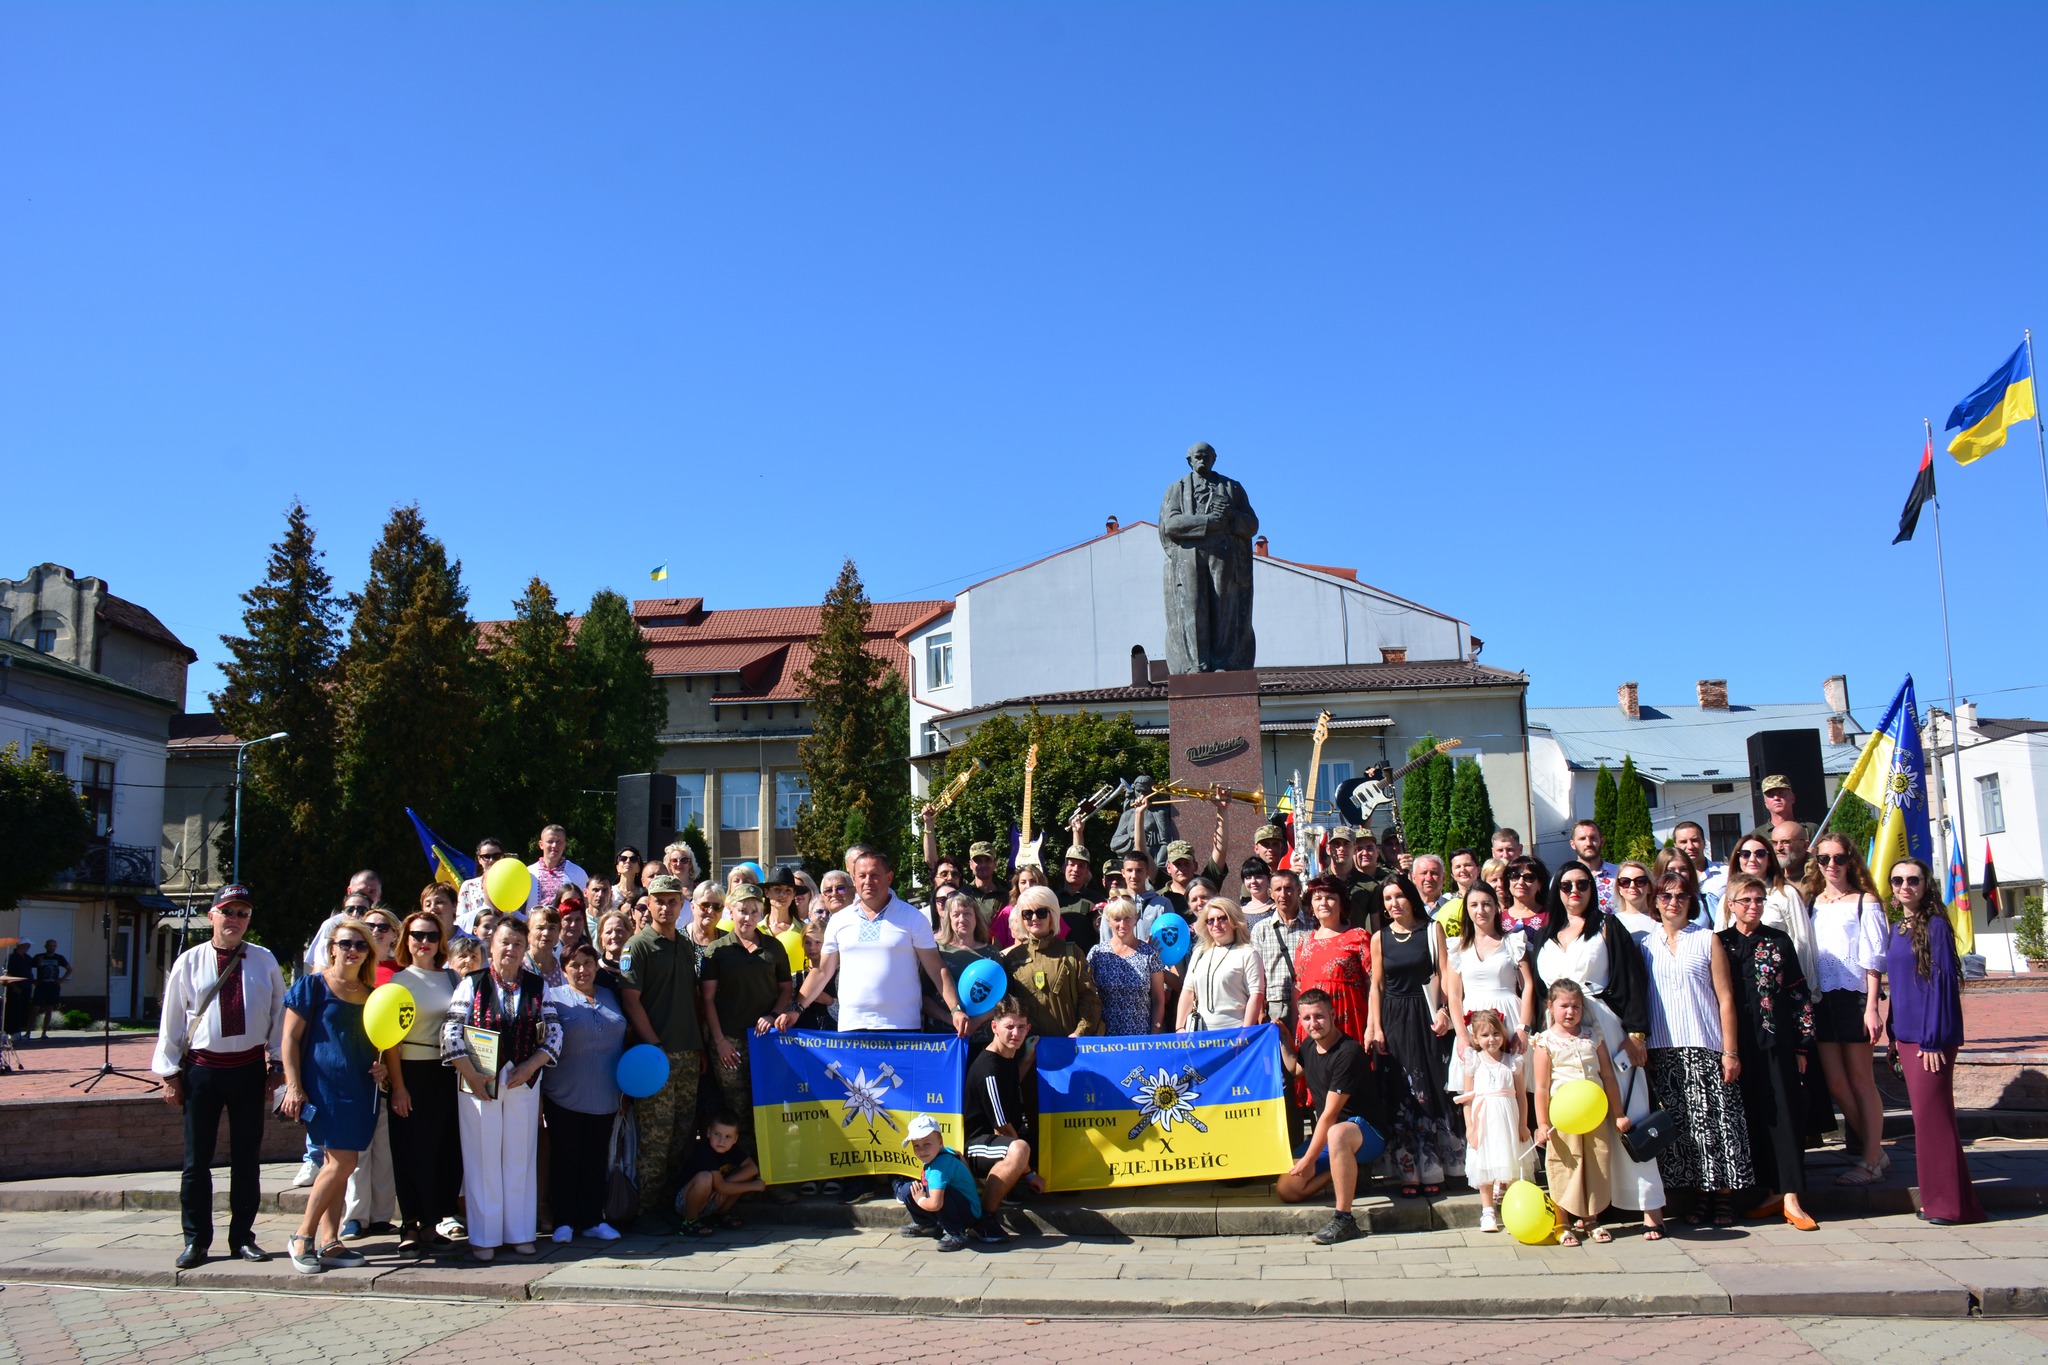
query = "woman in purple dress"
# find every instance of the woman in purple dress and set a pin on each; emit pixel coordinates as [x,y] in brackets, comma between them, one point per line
[1927,1025]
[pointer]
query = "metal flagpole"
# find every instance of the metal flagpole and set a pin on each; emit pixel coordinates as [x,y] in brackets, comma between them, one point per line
[2040,440]
[1955,722]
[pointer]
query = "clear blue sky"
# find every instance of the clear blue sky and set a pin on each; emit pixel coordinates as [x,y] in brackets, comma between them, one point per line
[1609,329]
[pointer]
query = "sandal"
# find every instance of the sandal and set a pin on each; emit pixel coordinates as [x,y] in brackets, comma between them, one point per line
[1432,1190]
[1411,1192]
[1567,1237]
[1653,1232]
[732,1220]
[1724,1211]
[1601,1234]
[1860,1173]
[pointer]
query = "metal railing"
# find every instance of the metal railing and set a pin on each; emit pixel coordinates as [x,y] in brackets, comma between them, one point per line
[112,865]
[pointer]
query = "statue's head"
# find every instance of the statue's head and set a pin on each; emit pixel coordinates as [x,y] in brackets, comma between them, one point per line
[1141,784]
[1201,457]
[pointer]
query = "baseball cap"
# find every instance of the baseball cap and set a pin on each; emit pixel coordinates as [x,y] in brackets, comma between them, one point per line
[923,1126]
[745,891]
[1178,849]
[1777,782]
[665,884]
[232,894]
[1265,832]
[980,850]
[1343,834]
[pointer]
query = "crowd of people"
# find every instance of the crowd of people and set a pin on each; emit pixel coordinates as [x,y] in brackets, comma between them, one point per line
[1428,1010]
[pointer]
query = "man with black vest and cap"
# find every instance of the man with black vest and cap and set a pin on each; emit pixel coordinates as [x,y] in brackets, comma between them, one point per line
[217,1051]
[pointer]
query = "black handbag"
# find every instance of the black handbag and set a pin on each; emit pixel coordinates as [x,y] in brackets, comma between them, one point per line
[1649,1134]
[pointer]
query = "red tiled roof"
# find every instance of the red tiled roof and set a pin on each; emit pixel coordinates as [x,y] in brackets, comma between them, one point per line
[139,620]
[657,607]
[676,660]
[782,681]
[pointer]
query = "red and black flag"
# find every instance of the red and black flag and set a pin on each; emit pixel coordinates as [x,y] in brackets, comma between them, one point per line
[1922,494]
[1992,910]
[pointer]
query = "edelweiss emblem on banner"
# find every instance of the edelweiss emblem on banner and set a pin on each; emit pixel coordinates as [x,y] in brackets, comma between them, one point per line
[1163,1098]
[866,1099]
[1902,788]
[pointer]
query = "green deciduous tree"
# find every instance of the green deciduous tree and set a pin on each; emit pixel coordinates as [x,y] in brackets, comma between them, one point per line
[1471,818]
[1603,804]
[280,677]
[1076,755]
[1632,836]
[47,826]
[854,757]
[407,704]
[1855,818]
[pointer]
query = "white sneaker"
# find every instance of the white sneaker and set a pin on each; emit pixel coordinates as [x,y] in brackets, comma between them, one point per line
[603,1232]
[309,1171]
[1489,1221]
[564,1235]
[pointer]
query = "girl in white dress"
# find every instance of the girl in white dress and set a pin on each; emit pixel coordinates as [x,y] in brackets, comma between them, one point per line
[1489,971]
[1496,1100]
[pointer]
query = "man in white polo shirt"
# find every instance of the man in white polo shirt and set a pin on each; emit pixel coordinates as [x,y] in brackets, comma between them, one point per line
[875,949]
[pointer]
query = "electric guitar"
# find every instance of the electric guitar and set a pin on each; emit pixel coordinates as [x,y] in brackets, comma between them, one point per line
[1029,850]
[1362,797]
[1307,834]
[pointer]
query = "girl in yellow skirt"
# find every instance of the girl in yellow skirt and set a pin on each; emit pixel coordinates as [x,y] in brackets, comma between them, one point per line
[1577,1165]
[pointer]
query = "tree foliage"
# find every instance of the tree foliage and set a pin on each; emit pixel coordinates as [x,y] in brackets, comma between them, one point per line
[1604,795]
[48,827]
[536,725]
[1855,818]
[1076,755]
[854,755]
[1632,836]
[1471,818]
[1419,801]
[627,708]
[279,677]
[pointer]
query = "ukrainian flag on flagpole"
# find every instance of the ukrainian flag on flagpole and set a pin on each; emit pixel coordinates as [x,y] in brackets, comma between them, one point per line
[660,571]
[450,864]
[2000,401]
[1891,774]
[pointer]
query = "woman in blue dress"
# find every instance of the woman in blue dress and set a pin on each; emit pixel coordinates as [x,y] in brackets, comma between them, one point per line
[1128,974]
[331,1078]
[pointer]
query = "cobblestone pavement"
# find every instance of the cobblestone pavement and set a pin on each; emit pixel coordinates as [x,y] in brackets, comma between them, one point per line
[46,1325]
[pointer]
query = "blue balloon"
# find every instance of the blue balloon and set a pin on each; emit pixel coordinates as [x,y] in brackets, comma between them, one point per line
[981,986]
[1171,936]
[1370,1144]
[643,1070]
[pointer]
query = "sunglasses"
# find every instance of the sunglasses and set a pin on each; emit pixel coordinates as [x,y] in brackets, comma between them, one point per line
[382,929]
[488,857]
[628,858]
[424,935]
[837,891]
[1752,853]
[1214,920]
[350,945]
[1037,914]
[1631,881]
[1906,881]
[1673,898]
[1749,900]
[225,913]
[1832,859]
[1576,887]
[1526,877]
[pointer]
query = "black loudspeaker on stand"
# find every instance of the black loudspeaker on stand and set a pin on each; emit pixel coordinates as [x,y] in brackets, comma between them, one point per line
[647,812]
[1795,755]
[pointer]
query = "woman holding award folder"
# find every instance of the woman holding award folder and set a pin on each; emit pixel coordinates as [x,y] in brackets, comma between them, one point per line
[500,1031]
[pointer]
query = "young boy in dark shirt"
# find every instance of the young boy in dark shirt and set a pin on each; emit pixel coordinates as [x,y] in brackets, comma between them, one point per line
[999,1126]
[717,1174]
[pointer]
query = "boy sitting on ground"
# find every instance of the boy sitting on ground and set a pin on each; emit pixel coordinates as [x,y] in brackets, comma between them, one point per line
[720,1171]
[943,1202]
[999,1127]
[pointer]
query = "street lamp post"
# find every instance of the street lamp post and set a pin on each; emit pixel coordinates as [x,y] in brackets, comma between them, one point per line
[241,750]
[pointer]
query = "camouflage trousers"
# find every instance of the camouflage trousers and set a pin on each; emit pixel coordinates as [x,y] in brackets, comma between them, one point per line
[667,1121]
[736,1084]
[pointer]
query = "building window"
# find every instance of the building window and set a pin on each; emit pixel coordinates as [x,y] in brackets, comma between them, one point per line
[739,801]
[690,801]
[938,661]
[1722,788]
[1722,833]
[1329,777]
[96,789]
[1991,802]
[46,640]
[791,791]
[55,758]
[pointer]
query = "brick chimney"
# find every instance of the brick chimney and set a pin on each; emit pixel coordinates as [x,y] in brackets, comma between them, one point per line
[1141,670]
[1626,695]
[1966,714]
[1713,694]
[1393,654]
[1835,691]
[1260,547]
[1837,731]
[1110,527]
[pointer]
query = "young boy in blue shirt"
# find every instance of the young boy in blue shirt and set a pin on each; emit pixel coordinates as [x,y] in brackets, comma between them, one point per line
[945,1202]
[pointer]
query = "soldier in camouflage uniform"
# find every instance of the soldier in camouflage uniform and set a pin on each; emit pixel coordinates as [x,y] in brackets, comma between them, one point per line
[659,967]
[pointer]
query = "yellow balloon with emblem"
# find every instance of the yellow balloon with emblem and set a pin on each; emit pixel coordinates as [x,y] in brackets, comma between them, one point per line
[388,1015]
[1527,1213]
[1451,919]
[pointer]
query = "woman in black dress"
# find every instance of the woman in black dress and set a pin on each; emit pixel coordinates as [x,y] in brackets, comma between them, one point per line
[1410,1023]
[1773,1030]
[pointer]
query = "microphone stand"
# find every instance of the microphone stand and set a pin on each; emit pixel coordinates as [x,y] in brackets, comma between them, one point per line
[107,1067]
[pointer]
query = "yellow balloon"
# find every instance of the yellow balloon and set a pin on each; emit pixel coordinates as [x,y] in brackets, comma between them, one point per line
[1451,919]
[508,884]
[388,1015]
[1578,1106]
[725,926]
[1527,1213]
[792,942]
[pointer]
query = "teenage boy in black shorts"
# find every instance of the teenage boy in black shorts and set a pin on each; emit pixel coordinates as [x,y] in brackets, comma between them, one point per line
[999,1127]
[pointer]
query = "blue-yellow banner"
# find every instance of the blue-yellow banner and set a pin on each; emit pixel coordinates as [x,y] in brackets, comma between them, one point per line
[828,1105]
[1159,1109]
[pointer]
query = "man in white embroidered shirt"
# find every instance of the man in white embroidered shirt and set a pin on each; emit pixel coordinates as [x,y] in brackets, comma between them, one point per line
[217,1051]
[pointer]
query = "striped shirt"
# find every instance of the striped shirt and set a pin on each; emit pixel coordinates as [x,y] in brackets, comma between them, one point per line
[1684,1010]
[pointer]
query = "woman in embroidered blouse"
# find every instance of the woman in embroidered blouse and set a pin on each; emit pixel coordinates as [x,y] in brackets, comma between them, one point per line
[1849,941]
[499,1114]
[1525,911]
[1773,1028]
[1784,907]
[1926,1023]
[1694,1061]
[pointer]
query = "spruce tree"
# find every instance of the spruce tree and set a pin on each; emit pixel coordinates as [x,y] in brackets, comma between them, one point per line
[1632,836]
[1471,819]
[627,710]
[280,676]
[407,706]
[1443,777]
[1603,804]
[536,733]
[855,755]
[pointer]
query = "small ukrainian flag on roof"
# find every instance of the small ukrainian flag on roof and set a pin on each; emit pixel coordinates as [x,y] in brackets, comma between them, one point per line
[660,571]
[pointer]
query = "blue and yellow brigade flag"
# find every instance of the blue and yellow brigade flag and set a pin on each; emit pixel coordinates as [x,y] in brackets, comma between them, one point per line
[1980,420]
[1891,774]
[449,864]
[1161,1109]
[830,1105]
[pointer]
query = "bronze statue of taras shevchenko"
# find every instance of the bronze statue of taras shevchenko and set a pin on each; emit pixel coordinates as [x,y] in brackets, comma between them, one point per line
[1206,524]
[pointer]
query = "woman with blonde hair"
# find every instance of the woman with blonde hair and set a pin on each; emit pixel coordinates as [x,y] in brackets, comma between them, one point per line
[1129,977]
[331,1075]
[1226,986]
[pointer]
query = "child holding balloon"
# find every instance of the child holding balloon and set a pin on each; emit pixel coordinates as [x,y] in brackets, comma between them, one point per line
[1495,1101]
[1575,1093]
